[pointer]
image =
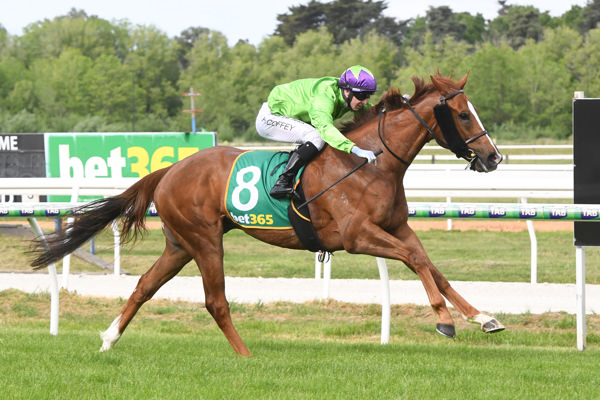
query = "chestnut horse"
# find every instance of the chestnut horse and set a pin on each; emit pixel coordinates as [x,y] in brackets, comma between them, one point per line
[366,213]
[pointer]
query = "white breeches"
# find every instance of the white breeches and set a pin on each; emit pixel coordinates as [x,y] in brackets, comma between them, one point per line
[286,129]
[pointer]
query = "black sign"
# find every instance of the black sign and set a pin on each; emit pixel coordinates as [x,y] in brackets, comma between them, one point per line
[22,155]
[586,175]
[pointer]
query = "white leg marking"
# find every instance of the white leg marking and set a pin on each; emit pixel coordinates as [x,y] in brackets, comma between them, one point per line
[479,319]
[111,335]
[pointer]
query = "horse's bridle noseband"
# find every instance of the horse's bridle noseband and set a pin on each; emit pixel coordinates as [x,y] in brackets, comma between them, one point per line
[452,139]
[443,102]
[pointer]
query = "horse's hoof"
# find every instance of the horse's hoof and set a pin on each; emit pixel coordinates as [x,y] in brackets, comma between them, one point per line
[446,330]
[492,326]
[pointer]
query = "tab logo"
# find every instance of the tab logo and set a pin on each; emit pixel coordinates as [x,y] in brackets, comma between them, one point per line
[152,210]
[466,211]
[26,211]
[437,211]
[527,212]
[589,213]
[558,212]
[497,212]
[51,212]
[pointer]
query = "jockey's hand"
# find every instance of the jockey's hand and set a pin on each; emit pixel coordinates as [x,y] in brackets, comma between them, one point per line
[368,154]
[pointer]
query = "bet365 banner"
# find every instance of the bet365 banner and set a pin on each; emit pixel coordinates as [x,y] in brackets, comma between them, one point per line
[118,155]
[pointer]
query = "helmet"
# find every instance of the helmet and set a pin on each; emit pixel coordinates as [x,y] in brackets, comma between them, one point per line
[358,79]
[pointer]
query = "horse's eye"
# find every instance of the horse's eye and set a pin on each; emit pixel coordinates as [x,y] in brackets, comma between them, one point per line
[464,116]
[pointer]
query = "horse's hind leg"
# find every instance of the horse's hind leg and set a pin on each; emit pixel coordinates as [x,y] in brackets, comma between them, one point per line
[205,243]
[166,267]
[213,279]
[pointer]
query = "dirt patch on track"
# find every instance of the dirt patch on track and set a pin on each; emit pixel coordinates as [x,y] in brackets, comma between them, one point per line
[500,226]
[418,225]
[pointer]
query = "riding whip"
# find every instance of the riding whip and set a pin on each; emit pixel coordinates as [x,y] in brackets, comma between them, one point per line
[378,152]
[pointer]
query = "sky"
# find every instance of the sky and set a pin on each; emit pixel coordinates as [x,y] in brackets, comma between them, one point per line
[251,20]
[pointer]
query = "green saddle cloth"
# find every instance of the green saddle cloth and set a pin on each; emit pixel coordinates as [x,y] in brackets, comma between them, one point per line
[247,200]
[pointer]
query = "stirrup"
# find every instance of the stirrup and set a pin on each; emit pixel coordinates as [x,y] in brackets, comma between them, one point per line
[283,187]
[279,192]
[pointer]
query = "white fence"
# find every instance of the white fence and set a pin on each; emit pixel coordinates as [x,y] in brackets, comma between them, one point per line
[436,157]
[30,189]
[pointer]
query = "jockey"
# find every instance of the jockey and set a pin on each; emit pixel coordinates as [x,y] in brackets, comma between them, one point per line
[303,112]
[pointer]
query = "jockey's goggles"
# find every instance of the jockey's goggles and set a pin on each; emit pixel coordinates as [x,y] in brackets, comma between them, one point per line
[362,95]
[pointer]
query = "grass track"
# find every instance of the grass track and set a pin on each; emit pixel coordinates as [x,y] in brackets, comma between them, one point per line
[165,366]
[318,350]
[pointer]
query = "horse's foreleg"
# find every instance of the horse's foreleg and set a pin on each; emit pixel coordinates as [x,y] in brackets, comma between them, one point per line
[166,267]
[406,247]
[419,262]
[471,314]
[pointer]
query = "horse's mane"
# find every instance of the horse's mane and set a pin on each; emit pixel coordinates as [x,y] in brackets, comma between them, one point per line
[393,100]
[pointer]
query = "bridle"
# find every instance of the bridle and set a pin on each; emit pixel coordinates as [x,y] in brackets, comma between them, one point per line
[452,139]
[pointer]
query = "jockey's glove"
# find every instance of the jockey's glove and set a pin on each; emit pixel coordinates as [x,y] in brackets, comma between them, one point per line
[368,154]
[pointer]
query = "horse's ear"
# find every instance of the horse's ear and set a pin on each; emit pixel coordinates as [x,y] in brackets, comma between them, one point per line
[463,81]
[436,83]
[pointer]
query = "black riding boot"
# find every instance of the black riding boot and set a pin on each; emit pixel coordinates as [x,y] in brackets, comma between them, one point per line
[298,158]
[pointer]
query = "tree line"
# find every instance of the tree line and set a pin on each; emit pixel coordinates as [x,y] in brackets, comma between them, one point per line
[81,73]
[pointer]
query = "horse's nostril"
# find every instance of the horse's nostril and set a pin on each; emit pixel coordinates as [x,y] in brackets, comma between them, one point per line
[494,159]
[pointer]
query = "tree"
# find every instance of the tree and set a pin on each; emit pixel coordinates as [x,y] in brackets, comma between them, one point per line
[110,89]
[186,43]
[475,27]
[153,66]
[584,63]
[60,88]
[590,16]
[11,71]
[348,19]
[394,31]
[93,37]
[442,22]
[572,18]
[4,40]
[515,25]
[448,57]
[545,84]
[345,19]
[208,73]
[416,33]
[494,85]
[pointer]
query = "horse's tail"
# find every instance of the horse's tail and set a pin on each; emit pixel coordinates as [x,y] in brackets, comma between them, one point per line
[130,207]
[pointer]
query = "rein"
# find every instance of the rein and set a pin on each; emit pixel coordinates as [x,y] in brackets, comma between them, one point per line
[353,170]
[378,152]
[383,111]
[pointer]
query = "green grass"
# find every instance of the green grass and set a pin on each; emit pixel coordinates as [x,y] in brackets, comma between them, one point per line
[316,350]
[460,255]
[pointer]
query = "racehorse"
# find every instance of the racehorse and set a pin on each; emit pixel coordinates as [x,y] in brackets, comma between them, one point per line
[366,213]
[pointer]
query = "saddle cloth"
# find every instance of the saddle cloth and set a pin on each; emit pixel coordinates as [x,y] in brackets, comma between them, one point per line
[249,204]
